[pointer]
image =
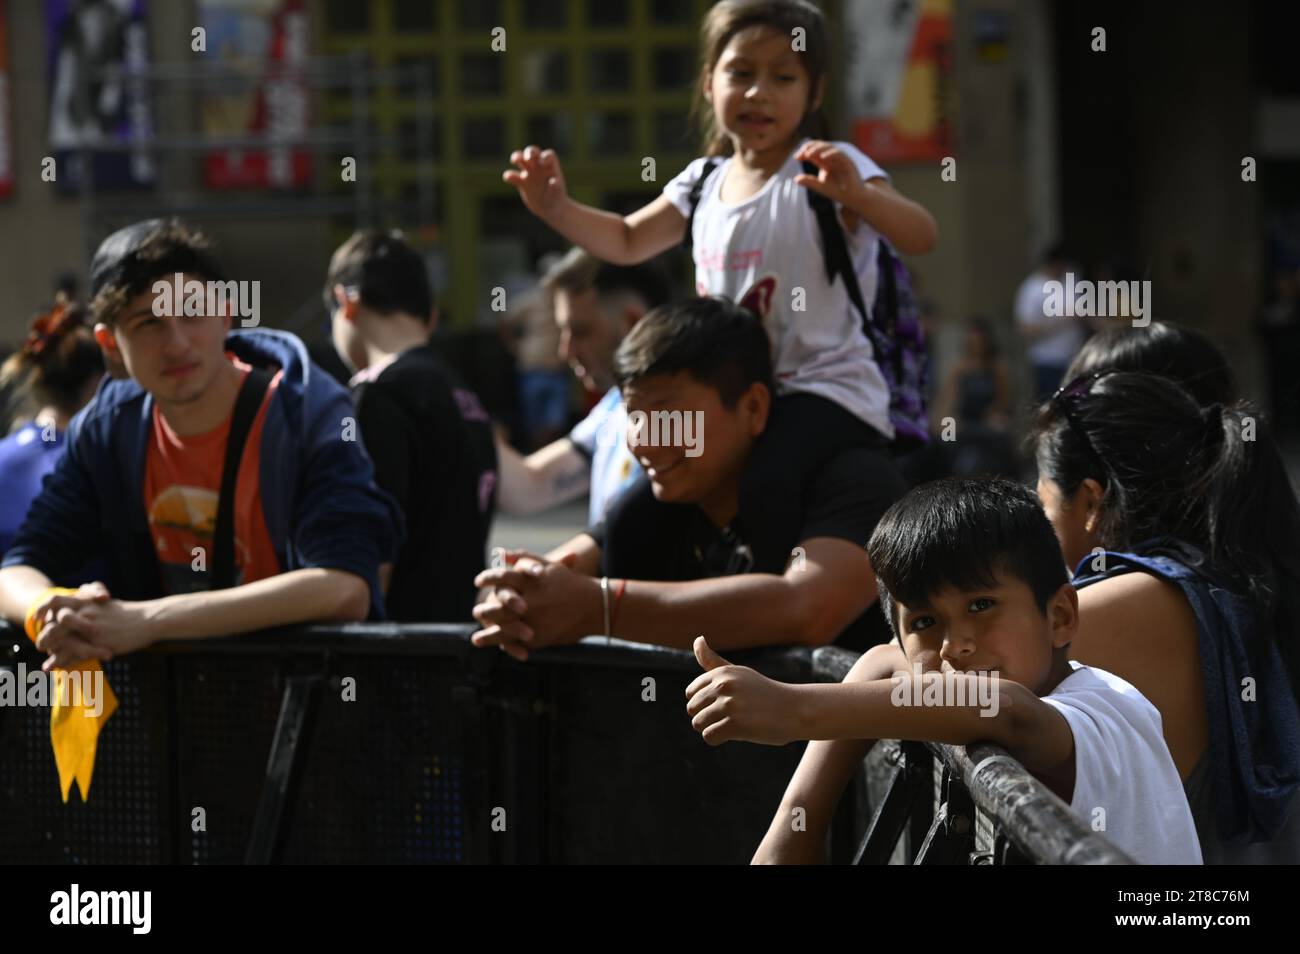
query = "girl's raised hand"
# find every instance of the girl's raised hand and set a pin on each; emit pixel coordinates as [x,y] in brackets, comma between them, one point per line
[837,177]
[539,179]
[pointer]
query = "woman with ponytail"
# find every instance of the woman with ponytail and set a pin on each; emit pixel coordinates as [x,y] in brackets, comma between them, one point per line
[54,374]
[1183,532]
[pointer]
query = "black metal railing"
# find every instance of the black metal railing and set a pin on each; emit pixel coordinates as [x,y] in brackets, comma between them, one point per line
[388,743]
[940,804]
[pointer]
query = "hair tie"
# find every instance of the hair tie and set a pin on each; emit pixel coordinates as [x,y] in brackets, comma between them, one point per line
[49,326]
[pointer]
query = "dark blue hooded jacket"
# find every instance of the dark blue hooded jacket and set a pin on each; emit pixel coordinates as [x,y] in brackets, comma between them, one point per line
[319,498]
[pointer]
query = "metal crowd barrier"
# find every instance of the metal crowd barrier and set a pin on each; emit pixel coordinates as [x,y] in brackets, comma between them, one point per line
[926,803]
[404,744]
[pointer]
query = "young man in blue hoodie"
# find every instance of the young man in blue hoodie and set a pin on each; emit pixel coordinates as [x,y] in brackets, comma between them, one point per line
[199,542]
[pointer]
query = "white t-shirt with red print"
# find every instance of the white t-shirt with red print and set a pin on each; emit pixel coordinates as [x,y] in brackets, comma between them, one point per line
[768,249]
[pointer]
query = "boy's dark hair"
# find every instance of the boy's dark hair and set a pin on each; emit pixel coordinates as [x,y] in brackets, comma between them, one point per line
[129,261]
[714,340]
[579,272]
[389,275]
[964,532]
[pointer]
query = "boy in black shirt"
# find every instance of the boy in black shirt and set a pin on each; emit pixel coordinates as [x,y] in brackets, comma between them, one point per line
[430,438]
[697,379]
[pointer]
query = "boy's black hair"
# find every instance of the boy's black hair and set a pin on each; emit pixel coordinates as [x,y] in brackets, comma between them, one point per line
[389,275]
[129,261]
[714,340]
[964,532]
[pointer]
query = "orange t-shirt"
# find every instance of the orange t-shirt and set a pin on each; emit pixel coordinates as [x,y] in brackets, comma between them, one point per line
[182,484]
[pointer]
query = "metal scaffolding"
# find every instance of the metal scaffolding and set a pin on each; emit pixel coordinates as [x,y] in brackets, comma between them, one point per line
[174,145]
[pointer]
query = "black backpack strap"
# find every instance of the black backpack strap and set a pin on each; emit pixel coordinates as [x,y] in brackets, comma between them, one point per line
[697,190]
[835,248]
[885,259]
[221,572]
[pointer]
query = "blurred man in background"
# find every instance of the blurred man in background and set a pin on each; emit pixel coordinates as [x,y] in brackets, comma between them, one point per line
[595,306]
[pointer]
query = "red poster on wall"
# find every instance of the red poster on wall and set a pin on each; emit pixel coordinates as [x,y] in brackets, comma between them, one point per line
[900,94]
[6,125]
[268,42]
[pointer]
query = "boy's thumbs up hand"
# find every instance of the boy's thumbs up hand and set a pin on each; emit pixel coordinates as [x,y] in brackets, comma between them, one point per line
[729,702]
[705,655]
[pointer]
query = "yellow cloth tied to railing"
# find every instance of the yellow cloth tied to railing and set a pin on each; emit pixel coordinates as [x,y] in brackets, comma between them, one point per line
[74,725]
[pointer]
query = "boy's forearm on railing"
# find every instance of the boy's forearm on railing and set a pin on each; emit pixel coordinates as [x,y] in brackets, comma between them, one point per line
[895,709]
[734,612]
[300,596]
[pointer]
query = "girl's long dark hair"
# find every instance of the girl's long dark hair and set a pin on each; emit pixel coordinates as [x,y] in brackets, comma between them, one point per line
[727,18]
[1177,474]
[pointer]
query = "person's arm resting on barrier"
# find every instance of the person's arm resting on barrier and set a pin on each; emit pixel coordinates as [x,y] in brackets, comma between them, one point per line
[25,590]
[729,703]
[60,532]
[300,596]
[503,603]
[345,528]
[810,604]
[93,625]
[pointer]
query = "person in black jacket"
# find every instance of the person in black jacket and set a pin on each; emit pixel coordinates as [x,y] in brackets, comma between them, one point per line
[429,436]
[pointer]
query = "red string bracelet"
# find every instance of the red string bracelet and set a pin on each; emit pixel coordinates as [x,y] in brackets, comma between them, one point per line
[622,585]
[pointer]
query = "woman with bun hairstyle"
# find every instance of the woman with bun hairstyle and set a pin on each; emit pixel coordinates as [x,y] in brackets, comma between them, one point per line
[54,374]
